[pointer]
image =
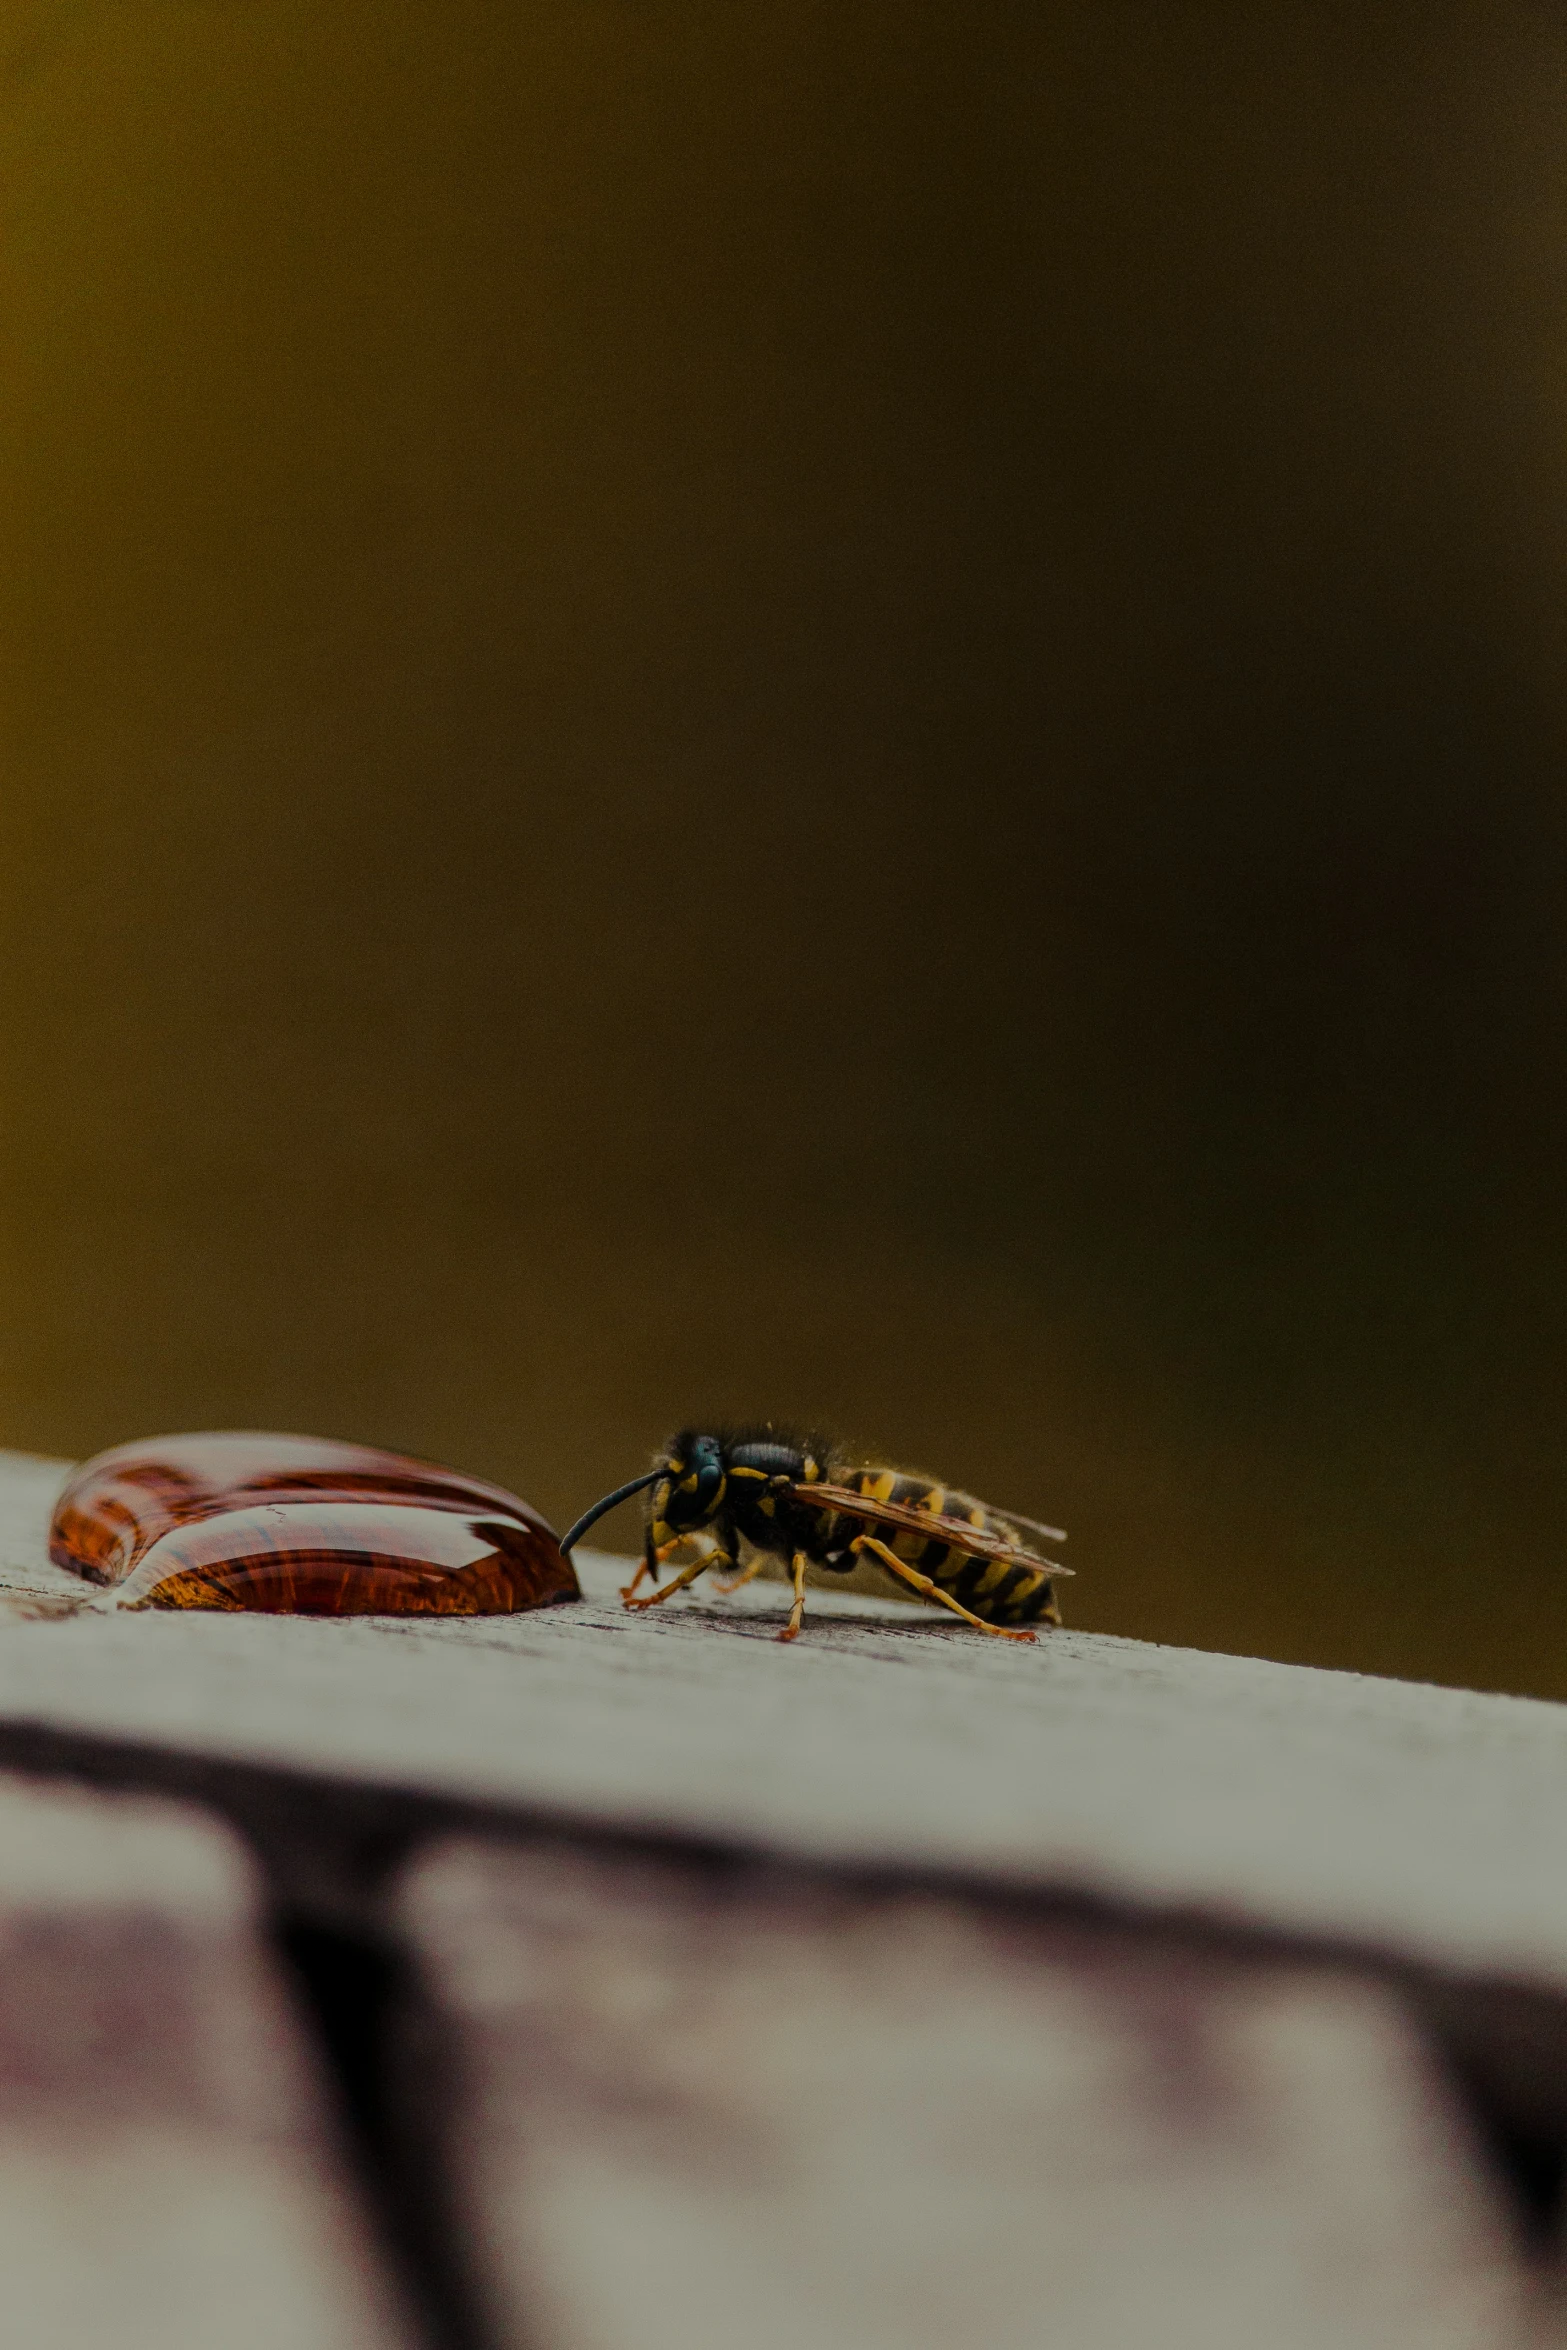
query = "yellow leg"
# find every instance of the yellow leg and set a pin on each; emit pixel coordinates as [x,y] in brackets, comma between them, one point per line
[667,1551]
[791,1630]
[930,1590]
[677,1583]
[745,1576]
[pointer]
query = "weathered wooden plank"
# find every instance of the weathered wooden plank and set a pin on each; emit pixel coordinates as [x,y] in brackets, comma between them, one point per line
[1422,1827]
[1421,1834]
[686,2109]
[168,2174]
[1429,1823]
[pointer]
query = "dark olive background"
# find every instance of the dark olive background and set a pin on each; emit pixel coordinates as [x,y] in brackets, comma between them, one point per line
[844,710]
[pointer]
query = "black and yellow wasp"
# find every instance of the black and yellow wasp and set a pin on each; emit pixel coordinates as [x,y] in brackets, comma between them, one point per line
[772,1493]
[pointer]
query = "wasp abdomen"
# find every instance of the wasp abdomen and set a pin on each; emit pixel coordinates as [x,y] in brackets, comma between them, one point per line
[998,1591]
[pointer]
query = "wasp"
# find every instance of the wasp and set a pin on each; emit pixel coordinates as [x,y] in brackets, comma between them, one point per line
[757,1493]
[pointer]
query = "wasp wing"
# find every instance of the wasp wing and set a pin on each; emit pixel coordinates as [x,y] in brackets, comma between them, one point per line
[979,1541]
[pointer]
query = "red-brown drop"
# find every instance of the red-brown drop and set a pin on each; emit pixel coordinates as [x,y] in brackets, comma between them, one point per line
[299,1525]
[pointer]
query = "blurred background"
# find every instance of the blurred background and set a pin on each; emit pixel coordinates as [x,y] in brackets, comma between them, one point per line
[854,711]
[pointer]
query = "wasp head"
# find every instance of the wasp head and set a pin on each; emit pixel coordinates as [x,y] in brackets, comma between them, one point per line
[691,1490]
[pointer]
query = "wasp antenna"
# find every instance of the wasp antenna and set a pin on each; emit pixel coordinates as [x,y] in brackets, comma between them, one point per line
[1016,1518]
[620,1493]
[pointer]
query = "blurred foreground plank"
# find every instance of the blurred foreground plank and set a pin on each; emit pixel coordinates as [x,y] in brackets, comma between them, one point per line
[684,2113]
[167,2174]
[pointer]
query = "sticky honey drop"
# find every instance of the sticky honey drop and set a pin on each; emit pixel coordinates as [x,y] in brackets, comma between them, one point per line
[300,1525]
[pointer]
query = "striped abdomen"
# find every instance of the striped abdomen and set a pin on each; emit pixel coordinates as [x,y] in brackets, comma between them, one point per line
[997,1590]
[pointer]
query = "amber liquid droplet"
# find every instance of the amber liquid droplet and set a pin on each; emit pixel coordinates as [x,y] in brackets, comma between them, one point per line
[299,1525]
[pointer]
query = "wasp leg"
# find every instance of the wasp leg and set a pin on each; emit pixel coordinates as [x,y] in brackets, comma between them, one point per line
[651,1563]
[745,1575]
[791,1630]
[930,1590]
[677,1583]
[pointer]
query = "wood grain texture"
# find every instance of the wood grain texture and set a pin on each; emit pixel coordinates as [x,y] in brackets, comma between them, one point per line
[30,1582]
[686,2110]
[169,2178]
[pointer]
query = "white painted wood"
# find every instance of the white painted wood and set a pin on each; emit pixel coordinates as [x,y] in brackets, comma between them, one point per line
[687,2113]
[1430,1824]
[168,2177]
